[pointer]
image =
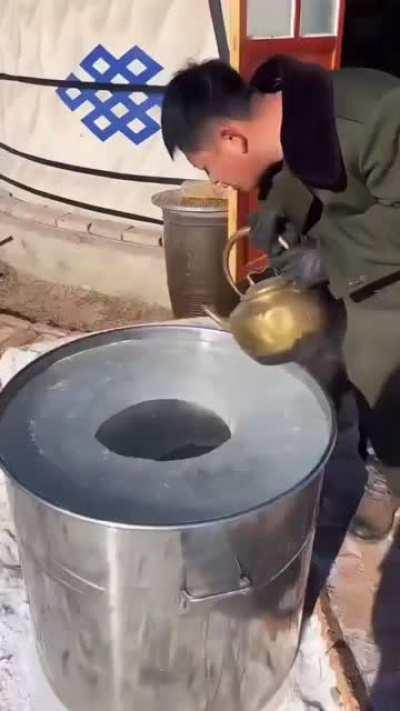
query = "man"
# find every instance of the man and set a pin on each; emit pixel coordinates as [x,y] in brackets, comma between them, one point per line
[325,149]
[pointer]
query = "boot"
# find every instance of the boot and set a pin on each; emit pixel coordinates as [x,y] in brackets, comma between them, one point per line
[375,514]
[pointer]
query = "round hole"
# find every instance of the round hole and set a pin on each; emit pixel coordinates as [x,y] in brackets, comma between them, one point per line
[163,430]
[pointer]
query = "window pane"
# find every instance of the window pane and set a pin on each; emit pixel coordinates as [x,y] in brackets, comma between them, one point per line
[319,17]
[270,18]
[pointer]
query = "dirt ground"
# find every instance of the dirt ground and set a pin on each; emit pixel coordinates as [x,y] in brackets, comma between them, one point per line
[68,307]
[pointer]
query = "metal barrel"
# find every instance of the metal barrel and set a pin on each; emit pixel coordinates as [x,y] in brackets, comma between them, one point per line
[194,240]
[160,581]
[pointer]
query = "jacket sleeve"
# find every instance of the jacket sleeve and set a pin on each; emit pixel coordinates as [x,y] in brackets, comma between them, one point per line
[290,198]
[378,228]
[379,160]
[368,243]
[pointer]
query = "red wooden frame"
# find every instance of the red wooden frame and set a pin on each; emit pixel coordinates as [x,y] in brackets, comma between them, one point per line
[325,50]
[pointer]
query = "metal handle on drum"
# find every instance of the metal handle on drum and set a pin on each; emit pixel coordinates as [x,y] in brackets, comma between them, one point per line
[245,588]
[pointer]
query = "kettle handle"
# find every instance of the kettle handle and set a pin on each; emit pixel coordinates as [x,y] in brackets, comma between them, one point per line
[242,232]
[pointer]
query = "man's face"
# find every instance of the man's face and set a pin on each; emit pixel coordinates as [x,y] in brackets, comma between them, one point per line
[228,160]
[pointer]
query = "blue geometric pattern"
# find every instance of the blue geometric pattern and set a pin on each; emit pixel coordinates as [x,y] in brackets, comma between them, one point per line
[113,112]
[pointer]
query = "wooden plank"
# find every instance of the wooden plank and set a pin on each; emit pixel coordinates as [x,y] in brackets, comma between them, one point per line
[297,17]
[339,45]
[236,16]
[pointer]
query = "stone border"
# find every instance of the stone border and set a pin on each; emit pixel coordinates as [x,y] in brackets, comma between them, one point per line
[349,682]
[141,234]
[77,250]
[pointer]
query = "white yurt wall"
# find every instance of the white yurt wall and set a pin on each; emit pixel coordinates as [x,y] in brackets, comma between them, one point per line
[56,128]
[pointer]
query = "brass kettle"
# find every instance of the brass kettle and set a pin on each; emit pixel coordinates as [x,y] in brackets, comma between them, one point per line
[276,321]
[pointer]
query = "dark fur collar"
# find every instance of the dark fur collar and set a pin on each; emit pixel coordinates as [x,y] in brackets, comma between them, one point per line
[309,139]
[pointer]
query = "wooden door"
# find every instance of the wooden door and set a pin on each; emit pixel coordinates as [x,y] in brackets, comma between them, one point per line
[310,30]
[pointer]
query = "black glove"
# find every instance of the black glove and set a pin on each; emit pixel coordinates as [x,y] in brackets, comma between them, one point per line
[266,228]
[301,264]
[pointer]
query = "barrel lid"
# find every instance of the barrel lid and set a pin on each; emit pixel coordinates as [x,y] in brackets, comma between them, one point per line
[161,426]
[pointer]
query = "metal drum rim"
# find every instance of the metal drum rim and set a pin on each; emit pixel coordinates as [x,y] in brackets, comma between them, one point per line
[42,361]
[160,199]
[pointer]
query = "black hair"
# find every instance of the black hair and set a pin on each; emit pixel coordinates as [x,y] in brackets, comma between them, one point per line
[198,95]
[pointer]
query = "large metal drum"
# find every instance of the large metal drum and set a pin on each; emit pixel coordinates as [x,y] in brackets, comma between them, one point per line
[164,488]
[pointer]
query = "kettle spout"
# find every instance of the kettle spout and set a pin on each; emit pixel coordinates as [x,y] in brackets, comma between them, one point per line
[220,320]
